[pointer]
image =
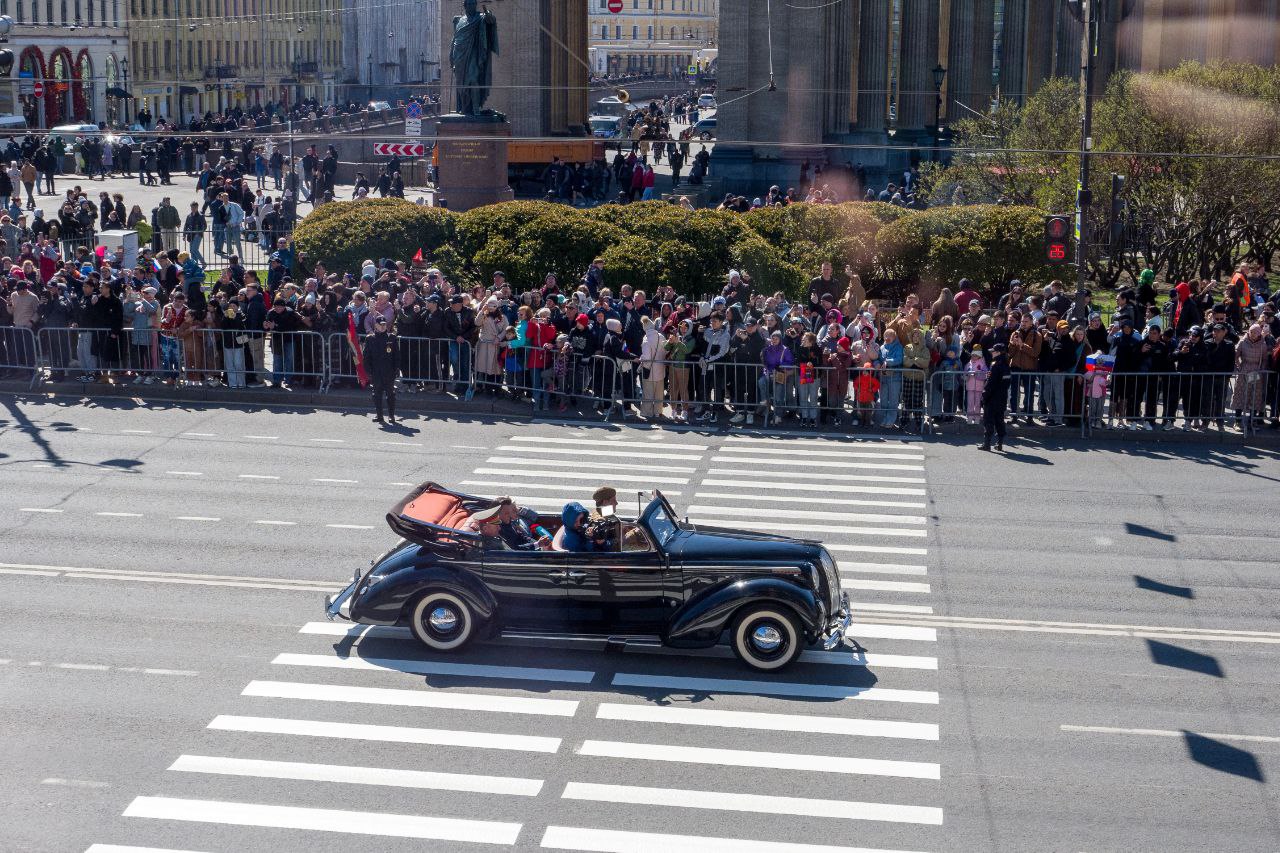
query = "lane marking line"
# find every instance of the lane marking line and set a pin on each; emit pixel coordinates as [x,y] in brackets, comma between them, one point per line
[74,783]
[792,499]
[201,434]
[38,509]
[195,518]
[328,440]
[276,523]
[120,514]
[186,473]
[1109,730]
[332,480]
[350,526]
[258,476]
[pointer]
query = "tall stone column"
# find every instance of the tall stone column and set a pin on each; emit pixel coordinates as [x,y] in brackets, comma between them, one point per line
[1013,50]
[873,66]
[919,53]
[960,59]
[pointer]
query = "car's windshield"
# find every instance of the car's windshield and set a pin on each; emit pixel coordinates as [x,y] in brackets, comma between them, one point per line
[608,124]
[662,525]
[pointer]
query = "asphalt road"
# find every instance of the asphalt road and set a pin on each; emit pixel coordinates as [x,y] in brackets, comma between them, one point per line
[1066,649]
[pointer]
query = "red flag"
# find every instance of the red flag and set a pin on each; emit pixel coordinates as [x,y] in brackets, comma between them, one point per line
[357,356]
[417,259]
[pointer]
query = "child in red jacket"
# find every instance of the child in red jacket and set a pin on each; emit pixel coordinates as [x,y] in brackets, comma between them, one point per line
[865,388]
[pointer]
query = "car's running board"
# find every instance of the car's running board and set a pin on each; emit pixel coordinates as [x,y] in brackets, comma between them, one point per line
[617,641]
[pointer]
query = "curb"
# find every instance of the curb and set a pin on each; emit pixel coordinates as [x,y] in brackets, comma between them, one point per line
[358,402]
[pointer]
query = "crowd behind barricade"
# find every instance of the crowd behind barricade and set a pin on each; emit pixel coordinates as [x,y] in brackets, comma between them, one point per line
[1206,357]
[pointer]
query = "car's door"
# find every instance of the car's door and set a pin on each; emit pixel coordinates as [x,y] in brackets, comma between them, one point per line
[529,587]
[621,592]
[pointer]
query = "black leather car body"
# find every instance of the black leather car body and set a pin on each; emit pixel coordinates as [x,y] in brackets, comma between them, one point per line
[682,584]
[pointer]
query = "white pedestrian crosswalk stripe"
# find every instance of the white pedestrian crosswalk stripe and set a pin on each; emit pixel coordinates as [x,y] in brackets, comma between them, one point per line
[323,820]
[424,667]
[346,774]
[774,688]
[769,760]
[623,841]
[505,743]
[438,699]
[807,723]
[739,802]
[385,734]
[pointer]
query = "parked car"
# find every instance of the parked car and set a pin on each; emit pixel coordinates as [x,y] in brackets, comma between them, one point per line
[706,101]
[703,128]
[680,584]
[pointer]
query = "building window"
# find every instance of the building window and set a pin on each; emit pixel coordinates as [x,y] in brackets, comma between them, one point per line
[604,31]
[617,31]
[635,32]
[650,32]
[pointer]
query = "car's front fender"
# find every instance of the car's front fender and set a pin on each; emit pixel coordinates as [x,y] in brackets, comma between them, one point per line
[384,599]
[702,618]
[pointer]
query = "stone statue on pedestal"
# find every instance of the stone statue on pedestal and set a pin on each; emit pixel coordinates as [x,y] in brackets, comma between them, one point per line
[475,41]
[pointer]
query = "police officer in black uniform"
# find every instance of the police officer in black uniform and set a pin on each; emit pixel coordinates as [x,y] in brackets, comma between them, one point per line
[381,359]
[995,398]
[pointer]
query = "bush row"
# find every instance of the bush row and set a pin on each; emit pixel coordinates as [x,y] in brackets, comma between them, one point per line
[649,244]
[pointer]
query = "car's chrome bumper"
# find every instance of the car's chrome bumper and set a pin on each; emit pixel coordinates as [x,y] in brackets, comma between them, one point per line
[340,604]
[838,624]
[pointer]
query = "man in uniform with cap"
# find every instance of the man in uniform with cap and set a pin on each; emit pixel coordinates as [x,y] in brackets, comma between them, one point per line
[487,523]
[604,518]
[995,397]
[381,358]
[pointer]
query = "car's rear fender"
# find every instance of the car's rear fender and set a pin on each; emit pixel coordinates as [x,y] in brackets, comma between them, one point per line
[702,618]
[388,597]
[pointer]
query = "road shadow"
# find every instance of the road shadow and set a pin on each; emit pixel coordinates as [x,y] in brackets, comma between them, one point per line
[1223,757]
[1149,532]
[1168,589]
[1025,458]
[1167,654]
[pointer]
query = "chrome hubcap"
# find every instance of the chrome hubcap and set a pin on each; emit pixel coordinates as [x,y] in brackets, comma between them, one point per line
[443,619]
[766,638]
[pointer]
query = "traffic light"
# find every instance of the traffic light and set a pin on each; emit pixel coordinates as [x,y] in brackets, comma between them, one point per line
[1057,238]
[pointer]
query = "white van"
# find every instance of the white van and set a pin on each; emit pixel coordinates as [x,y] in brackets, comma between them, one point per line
[12,124]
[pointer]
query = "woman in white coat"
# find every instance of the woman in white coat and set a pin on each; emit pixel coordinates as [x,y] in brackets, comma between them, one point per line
[653,371]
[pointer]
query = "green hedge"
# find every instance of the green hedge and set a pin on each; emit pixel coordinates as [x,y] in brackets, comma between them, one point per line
[653,243]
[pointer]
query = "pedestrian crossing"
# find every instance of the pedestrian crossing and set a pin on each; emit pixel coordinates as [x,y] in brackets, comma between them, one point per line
[353,731]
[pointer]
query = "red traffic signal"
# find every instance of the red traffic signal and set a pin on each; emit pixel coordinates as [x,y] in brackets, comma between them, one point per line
[1057,238]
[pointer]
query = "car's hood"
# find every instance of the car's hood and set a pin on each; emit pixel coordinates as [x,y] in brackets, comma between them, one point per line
[704,544]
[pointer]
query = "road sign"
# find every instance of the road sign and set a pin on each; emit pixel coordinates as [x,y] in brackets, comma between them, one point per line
[37,89]
[399,149]
[413,127]
[413,110]
[615,7]
[693,71]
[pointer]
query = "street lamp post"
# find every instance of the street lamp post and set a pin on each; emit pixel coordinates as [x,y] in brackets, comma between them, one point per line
[124,69]
[369,59]
[939,74]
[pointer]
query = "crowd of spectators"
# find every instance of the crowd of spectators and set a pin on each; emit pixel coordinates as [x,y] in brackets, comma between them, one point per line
[1208,356]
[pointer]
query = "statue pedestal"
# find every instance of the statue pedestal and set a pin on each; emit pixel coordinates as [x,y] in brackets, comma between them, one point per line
[471,166]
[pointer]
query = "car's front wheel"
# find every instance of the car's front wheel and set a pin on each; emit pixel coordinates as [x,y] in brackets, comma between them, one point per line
[766,637]
[705,136]
[442,621]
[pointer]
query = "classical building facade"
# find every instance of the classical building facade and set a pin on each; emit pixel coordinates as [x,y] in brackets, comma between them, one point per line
[67,60]
[390,50]
[890,73]
[189,57]
[660,37]
[540,75]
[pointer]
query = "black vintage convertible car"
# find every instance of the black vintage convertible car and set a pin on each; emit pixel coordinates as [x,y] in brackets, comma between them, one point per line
[681,584]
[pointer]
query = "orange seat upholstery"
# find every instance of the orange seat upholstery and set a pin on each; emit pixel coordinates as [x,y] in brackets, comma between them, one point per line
[435,508]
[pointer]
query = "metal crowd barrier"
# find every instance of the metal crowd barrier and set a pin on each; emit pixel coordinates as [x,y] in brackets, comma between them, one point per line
[1099,400]
[680,390]
[19,354]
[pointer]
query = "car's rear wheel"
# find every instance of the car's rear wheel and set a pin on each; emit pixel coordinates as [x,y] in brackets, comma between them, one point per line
[705,136]
[766,638]
[442,621]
